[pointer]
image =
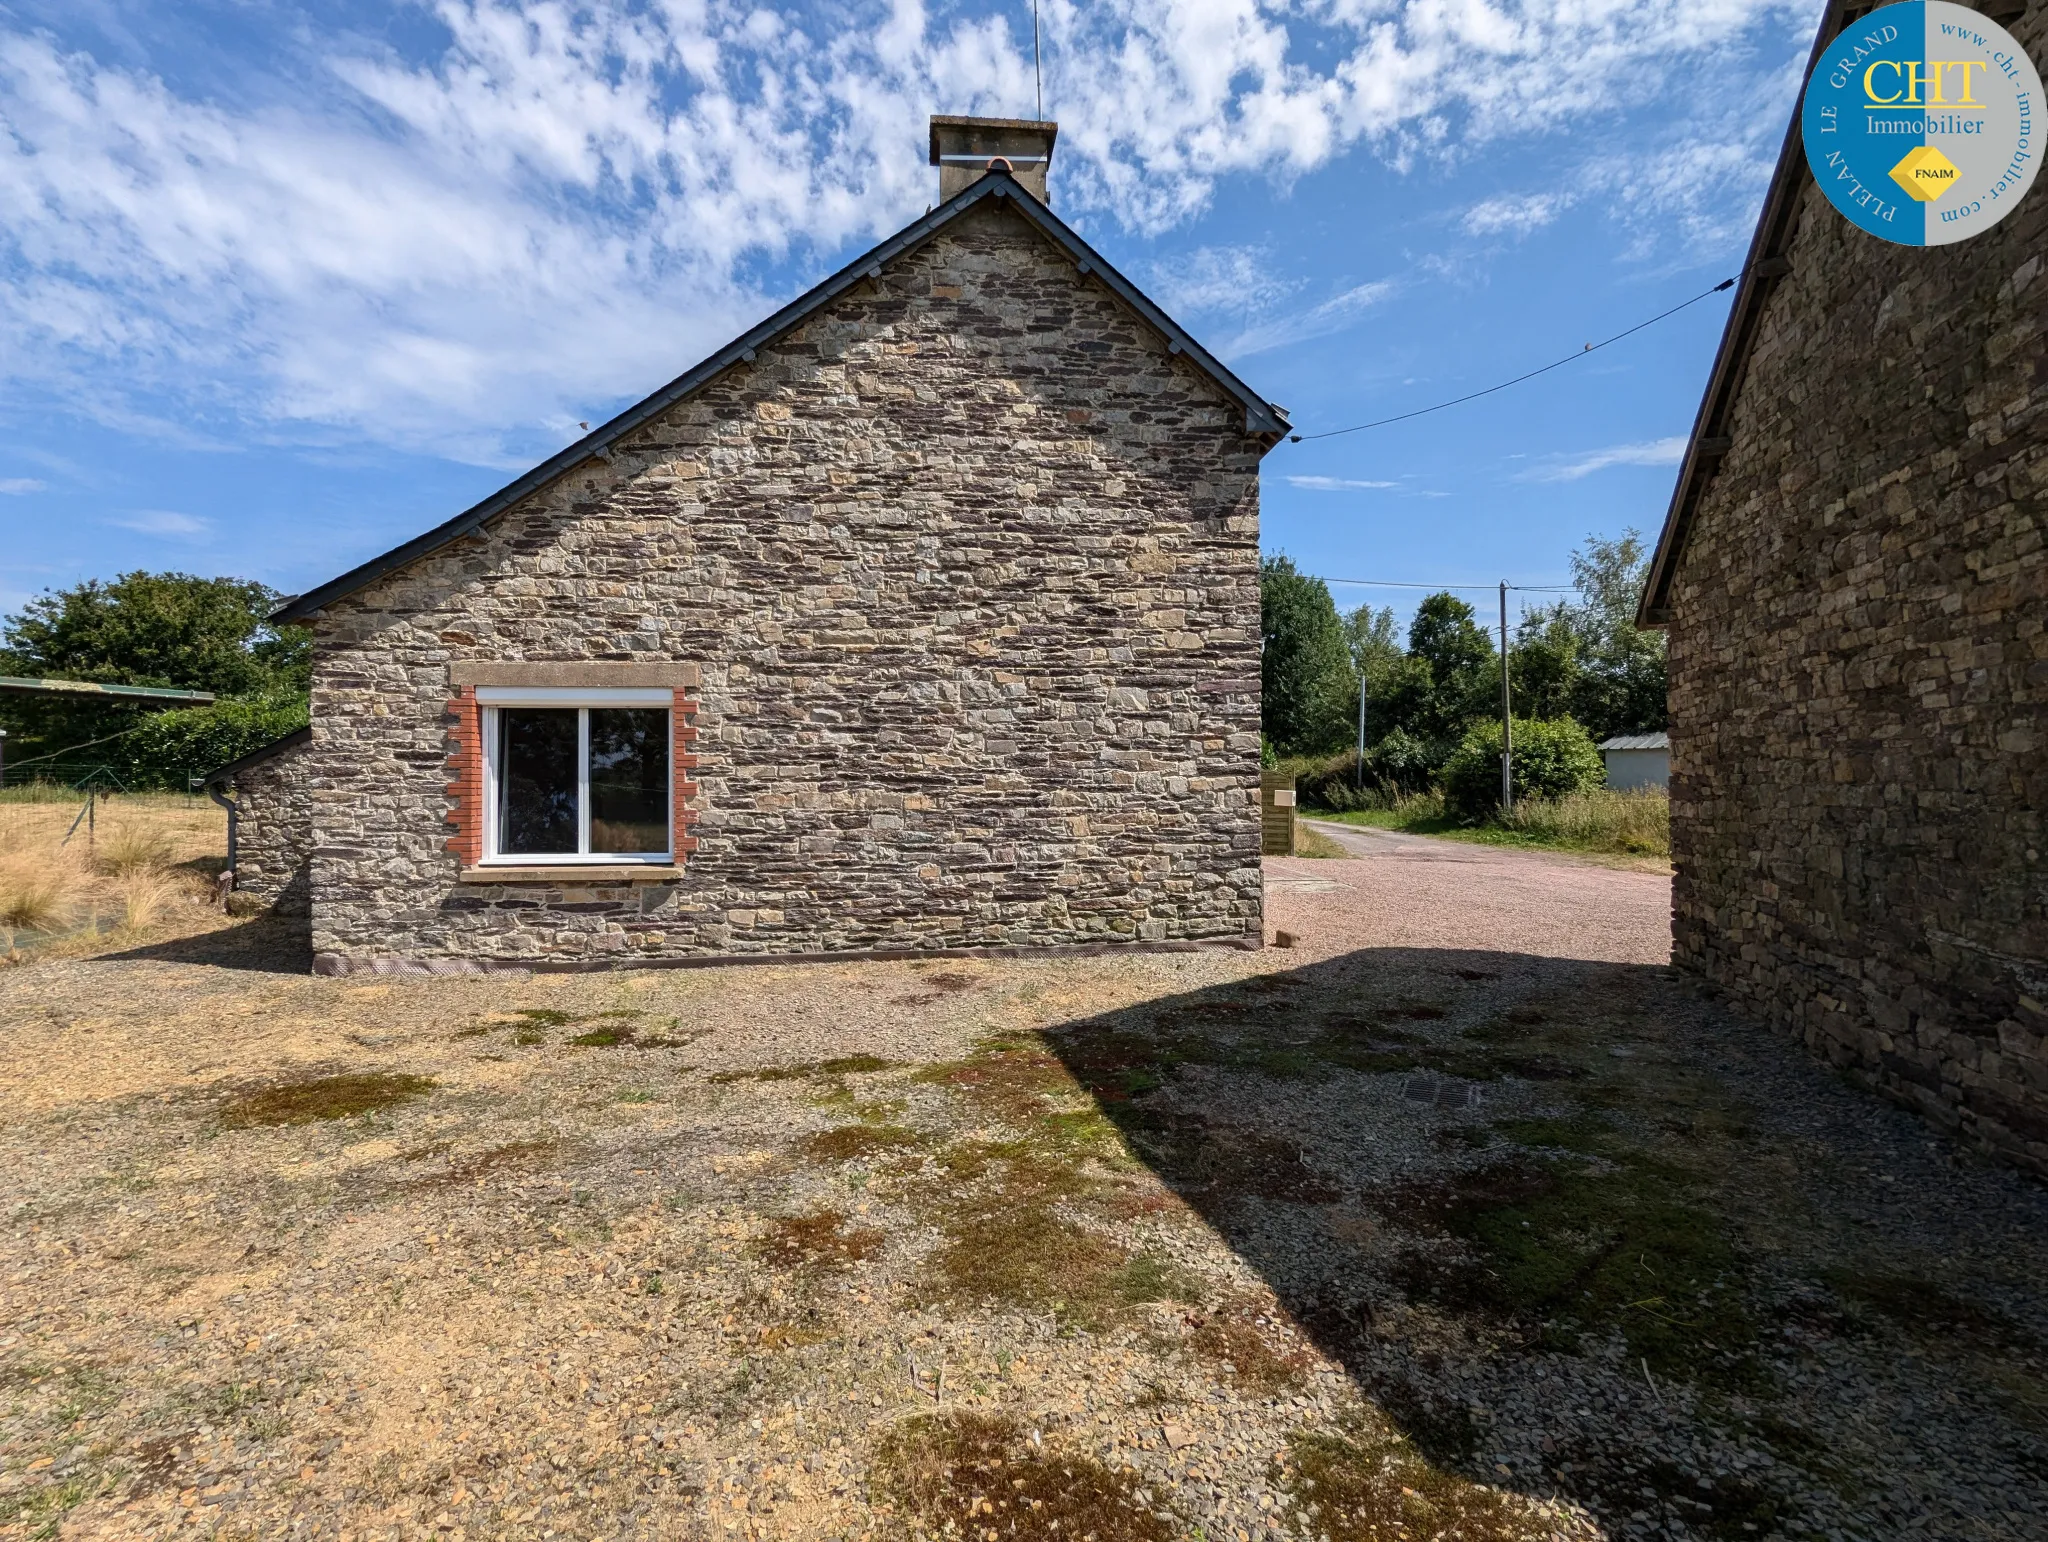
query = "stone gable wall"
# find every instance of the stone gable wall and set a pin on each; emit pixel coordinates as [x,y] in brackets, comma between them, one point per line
[1859,673]
[274,836]
[969,563]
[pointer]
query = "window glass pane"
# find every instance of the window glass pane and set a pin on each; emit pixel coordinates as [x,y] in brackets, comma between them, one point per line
[536,780]
[628,779]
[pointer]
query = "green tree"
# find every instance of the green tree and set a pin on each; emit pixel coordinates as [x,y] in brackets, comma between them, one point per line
[1544,664]
[1621,678]
[1448,678]
[167,749]
[1378,660]
[168,629]
[1304,662]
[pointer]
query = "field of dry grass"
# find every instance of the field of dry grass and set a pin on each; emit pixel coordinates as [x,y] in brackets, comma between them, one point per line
[137,863]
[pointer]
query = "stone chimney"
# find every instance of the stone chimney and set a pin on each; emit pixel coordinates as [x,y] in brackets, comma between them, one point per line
[965,149]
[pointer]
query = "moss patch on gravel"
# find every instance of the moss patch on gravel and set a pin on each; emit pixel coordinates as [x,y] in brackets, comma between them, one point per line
[1364,1482]
[844,1065]
[852,1142]
[1578,1246]
[324,1097]
[1250,1341]
[978,1474]
[819,1240]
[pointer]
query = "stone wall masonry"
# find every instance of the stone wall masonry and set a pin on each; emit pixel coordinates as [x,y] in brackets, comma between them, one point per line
[1859,674]
[273,836]
[967,566]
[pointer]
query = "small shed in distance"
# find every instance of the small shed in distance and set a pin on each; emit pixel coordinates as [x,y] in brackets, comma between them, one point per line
[1637,760]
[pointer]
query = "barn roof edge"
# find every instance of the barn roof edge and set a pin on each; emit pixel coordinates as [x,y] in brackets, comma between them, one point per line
[1761,270]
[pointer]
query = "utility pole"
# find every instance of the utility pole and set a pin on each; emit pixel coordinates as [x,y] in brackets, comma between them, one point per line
[1507,721]
[1361,726]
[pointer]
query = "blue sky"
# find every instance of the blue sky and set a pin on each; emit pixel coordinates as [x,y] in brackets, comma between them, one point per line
[282,285]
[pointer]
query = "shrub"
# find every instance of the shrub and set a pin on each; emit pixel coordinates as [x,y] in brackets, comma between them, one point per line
[1553,759]
[1399,766]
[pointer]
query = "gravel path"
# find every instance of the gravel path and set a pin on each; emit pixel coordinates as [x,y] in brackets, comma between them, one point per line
[1462,1218]
[1415,891]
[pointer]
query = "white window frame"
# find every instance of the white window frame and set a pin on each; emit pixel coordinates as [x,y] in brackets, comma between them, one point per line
[490,698]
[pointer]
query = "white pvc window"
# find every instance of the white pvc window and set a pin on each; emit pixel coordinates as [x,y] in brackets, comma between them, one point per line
[577,775]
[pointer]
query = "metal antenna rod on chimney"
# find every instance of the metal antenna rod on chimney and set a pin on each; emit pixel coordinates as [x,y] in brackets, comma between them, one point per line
[1037,74]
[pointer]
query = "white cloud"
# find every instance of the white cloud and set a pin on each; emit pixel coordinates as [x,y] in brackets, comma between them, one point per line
[1335,484]
[570,203]
[1514,214]
[14,487]
[164,522]
[1231,280]
[1333,315]
[1653,452]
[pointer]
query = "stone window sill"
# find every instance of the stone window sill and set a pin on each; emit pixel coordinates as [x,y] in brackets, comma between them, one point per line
[575,872]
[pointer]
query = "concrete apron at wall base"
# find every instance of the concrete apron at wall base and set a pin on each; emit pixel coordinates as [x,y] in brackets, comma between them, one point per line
[336,964]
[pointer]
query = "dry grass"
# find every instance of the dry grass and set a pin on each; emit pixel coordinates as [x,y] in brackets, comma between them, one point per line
[141,861]
[132,846]
[1313,843]
[1626,823]
[146,893]
[40,890]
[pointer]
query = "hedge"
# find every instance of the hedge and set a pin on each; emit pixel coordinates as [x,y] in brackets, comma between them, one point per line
[169,748]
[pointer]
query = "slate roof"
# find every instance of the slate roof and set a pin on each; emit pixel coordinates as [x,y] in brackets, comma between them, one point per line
[292,740]
[1767,263]
[1656,741]
[1263,420]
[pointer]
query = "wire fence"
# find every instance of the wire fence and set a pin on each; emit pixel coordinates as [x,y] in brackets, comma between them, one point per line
[89,856]
[54,805]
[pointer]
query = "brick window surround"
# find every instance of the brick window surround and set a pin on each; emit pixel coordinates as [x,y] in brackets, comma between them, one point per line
[466,810]
[466,773]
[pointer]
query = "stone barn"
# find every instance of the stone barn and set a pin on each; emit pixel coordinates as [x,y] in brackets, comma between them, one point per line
[924,616]
[1855,583]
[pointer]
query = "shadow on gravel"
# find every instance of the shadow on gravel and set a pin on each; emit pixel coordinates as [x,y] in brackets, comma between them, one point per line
[1578,1232]
[266,944]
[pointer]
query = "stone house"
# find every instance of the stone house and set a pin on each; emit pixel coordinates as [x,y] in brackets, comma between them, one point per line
[923,616]
[1855,582]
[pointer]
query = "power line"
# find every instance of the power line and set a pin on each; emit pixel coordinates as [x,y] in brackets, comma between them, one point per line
[36,760]
[1395,583]
[1726,283]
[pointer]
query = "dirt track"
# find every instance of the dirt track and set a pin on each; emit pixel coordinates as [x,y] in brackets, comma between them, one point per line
[1462,1215]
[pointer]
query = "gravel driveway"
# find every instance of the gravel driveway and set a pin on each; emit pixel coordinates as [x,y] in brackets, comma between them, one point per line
[1462,1218]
